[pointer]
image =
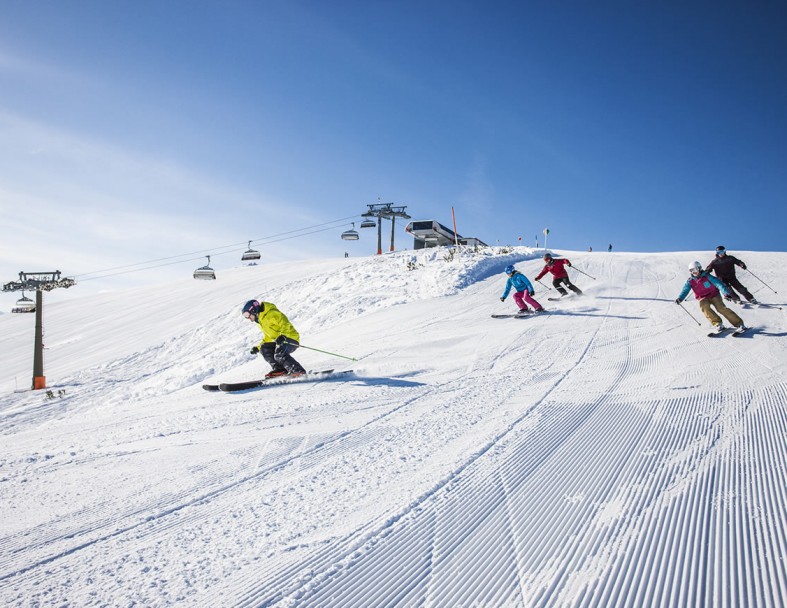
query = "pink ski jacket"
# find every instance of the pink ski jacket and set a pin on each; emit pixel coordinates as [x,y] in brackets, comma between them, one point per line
[703,286]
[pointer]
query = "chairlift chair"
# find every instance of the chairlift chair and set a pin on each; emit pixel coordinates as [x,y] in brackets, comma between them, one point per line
[24,304]
[250,255]
[205,272]
[350,235]
[368,224]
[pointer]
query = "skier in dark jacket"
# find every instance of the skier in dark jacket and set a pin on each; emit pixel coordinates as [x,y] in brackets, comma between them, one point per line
[724,267]
[560,274]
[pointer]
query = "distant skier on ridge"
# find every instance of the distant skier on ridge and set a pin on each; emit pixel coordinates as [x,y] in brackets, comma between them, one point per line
[557,268]
[279,338]
[707,290]
[724,267]
[523,291]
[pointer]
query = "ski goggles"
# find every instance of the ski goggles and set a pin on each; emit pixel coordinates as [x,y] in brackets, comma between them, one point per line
[721,252]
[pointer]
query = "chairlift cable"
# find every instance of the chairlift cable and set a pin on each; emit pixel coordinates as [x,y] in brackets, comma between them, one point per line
[151,264]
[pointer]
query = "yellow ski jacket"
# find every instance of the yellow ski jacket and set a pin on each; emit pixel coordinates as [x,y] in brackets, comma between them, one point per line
[274,323]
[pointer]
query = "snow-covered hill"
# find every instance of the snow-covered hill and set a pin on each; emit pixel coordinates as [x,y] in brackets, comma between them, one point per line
[608,453]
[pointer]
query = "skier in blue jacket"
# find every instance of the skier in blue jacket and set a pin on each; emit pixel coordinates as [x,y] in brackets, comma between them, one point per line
[523,291]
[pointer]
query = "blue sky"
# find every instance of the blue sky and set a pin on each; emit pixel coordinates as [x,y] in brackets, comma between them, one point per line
[132,131]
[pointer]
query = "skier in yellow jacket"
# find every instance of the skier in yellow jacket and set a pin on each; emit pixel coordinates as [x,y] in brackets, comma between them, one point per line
[279,338]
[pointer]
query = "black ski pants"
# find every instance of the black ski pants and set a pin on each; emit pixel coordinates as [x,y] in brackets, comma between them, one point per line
[278,355]
[558,284]
[734,284]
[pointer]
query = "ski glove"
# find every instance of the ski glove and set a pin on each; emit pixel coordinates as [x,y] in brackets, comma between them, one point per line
[502,299]
[532,292]
[678,301]
[281,340]
[255,350]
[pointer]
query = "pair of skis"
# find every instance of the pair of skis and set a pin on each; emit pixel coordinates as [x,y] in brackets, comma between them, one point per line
[736,333]
[518,316]
[232,387]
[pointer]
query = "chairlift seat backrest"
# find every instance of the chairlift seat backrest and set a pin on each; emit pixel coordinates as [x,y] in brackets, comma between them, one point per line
[205,272]
[250,254]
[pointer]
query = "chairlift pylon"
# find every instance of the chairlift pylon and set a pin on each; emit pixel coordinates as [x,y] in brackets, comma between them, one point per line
[24,304]
[205,272]
[250,254]
[350,235]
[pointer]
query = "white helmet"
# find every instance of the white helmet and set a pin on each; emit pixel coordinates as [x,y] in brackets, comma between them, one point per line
[695,267]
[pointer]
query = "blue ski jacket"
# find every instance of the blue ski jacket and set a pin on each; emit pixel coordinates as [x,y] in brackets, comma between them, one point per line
[519,282]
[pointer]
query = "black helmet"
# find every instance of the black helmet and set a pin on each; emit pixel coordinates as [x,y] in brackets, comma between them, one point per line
[547,256]
[251,309]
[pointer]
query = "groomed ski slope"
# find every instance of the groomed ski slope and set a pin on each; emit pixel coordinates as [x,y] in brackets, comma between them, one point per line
[607,454]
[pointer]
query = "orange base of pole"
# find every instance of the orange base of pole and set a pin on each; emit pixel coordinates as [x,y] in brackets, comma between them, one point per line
[39,382]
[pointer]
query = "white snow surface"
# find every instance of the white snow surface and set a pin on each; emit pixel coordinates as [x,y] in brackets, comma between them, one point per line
[606,454]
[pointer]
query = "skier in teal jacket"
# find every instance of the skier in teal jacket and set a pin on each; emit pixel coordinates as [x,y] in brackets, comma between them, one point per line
[708,291]
[523,291]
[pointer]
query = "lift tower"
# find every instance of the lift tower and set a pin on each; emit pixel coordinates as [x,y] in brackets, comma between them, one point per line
[39,282]
[389,212]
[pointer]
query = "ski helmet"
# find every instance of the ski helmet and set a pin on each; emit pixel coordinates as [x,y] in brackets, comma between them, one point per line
[251,309]
[547,257]
[510,269]
[695,267]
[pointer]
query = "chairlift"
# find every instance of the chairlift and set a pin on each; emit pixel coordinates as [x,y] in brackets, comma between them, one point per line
[368,224]
[24,304]
[205,272]
[350,235]
[250,255]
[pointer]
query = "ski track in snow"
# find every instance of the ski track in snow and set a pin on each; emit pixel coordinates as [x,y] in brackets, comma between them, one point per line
[606,453]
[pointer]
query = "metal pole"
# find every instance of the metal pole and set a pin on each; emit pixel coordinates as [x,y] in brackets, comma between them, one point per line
[393,223]
[456,236]
[329,353]
[761,281]
[379,234]
[691,315]
[39,381]
[585,273]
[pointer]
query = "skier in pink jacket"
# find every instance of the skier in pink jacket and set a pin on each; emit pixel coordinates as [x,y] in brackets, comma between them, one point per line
[708,291]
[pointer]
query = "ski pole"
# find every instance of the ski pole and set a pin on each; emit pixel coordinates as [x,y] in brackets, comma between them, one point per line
[761,281]
[547,286]
[325,352]
[688,313]
[585,273]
